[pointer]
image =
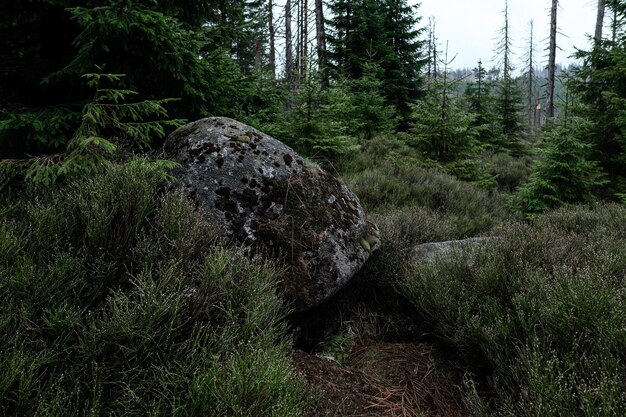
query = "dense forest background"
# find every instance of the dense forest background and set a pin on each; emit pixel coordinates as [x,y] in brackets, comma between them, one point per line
[347,73]
[99,248]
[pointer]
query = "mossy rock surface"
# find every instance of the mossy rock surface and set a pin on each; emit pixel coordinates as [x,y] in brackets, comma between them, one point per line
[271,199]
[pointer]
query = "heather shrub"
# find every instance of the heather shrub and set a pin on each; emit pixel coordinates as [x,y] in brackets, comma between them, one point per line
[509,172]
[116,298]
[472,210]
[540,316]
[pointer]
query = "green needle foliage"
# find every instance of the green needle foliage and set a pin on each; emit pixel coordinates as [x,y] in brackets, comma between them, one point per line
[564,175]
[106,122]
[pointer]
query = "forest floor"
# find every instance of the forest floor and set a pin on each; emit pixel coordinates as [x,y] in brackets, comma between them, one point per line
[362,354]
[382,379]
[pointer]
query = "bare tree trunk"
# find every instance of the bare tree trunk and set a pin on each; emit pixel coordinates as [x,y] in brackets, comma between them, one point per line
[599,21]
[531,76]
[506,45]
[551,62]
[272,57]
[304,38]
[321,43]
[430,48]
[288,43]
[434,44]
[614,23]
[258,55]
[297,64]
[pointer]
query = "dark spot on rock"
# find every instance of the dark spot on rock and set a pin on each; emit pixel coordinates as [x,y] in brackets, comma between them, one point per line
[260,171]
[265,153]
[253,183]
[201,159]
[210,148]
[276,164]
[223,192]
[300,162]
[245,180]
[226,205]
[252,146]
[288,159]
[248,198]
[257,152]
[219,162]
[241,158]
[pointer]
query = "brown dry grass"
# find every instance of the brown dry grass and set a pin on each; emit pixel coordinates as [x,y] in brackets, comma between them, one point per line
[383,379]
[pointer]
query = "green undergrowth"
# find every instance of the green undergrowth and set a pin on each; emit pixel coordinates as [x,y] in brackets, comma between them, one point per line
[387,187]
[116,298]
[539,318]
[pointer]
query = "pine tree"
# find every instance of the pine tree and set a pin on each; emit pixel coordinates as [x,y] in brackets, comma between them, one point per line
[161,47]
[402,80]
[442,129]
[381,32]
[481,103]
[509,92]
[109,120]
[564,175]
[600,87]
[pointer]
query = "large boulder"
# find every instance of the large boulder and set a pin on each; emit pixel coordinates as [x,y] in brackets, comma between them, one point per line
[265,195]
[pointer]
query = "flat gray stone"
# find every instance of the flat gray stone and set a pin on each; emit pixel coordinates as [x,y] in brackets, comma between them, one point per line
[429,252]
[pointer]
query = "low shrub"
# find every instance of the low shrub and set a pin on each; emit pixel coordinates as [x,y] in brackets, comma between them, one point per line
[117,299]
[509,172]
[401,230]
[540,316]
[470,209]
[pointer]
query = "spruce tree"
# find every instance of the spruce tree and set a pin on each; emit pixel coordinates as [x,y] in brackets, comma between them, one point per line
[599,86]
[481,102]
[442,129]
[380,32]
[509,94]
[565,174]
[161,47]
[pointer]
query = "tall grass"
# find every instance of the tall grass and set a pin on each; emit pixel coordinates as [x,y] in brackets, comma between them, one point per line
[116,298]
[541,314]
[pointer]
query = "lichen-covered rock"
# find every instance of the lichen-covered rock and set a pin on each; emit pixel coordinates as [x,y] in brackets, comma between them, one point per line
[269,198]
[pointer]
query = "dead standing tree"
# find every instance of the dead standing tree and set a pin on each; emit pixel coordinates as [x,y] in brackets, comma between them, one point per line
[551,61]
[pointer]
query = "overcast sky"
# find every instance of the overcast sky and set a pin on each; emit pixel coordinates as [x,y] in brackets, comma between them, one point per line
[471,27]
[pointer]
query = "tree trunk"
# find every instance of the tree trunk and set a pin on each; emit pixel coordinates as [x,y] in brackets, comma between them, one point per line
[599,22]
[321,43]
[298,60]
[434,45]
[272,57]
[288,43]
[531,76]
[304,38]
[551,62]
